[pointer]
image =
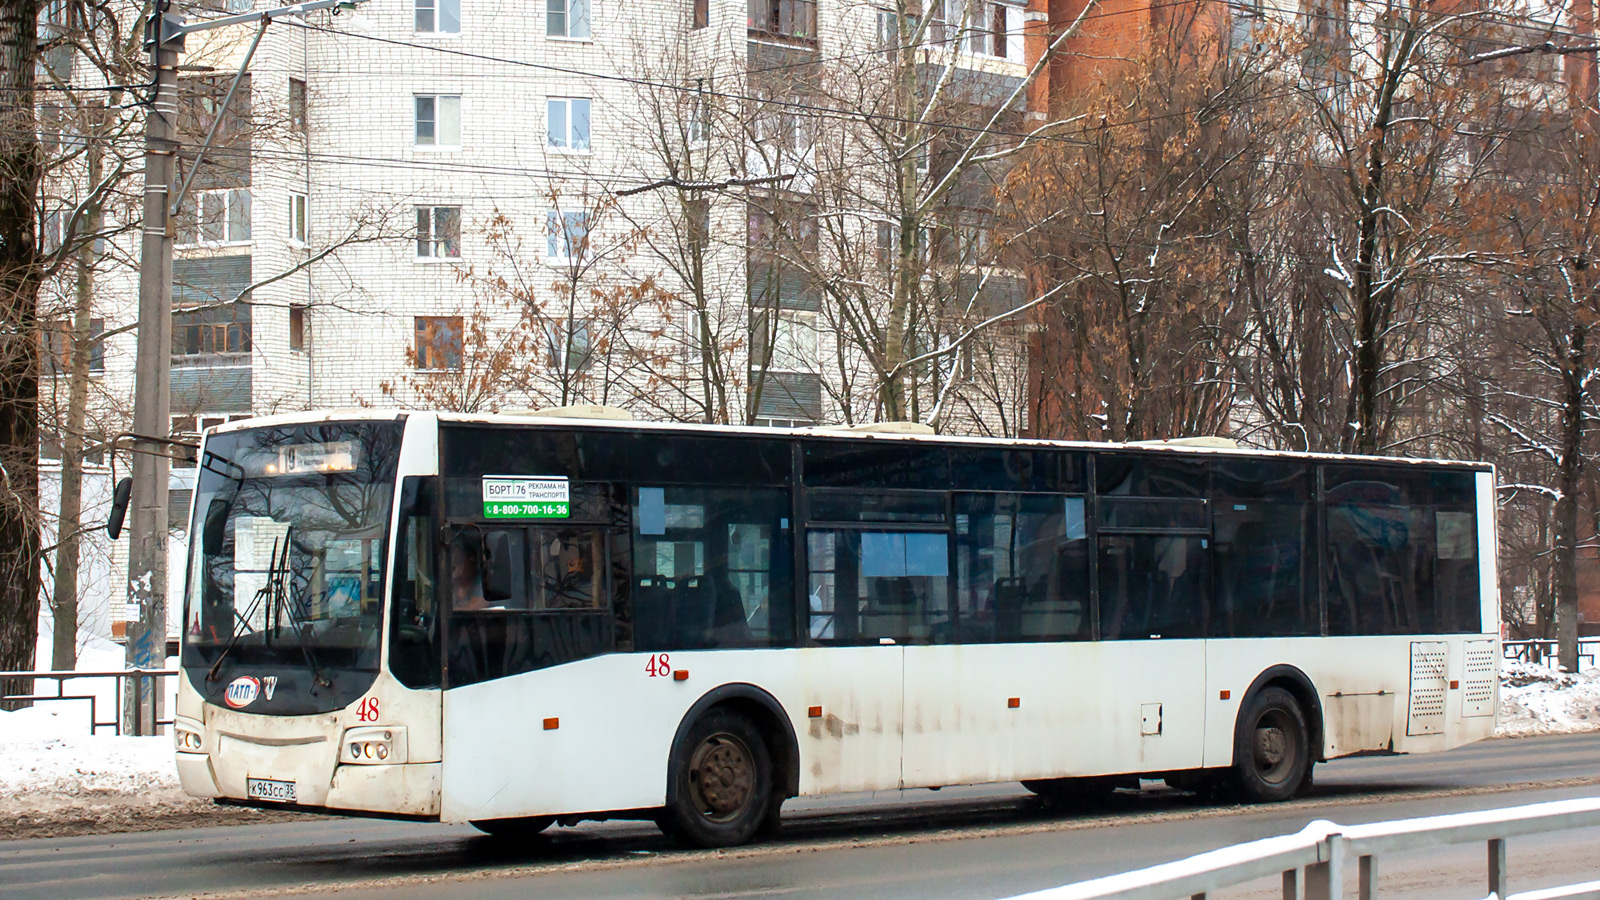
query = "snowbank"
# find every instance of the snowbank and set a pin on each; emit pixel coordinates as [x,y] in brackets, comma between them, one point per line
[56,780]
[49,759]
[1537,699]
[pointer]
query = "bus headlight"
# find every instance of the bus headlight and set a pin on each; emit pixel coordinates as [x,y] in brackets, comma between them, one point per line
[373,746]
[187,736]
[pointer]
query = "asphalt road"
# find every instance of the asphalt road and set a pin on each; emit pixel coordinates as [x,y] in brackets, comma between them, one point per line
[981,842]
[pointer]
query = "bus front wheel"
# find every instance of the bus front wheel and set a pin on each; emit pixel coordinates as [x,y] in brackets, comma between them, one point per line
[1272,748]
[721,783]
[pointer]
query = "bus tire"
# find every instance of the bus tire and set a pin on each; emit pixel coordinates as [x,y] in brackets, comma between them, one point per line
[1272,748]
[525,827]
[720,789]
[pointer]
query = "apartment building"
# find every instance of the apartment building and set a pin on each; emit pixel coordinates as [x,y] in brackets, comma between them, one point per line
[691,208]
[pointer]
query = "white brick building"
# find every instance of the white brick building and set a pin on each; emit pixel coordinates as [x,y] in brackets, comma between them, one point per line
[465,166]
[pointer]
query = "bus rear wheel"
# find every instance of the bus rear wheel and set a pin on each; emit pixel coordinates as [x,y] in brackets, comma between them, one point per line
[525,827]
[1272,748]
[720,790]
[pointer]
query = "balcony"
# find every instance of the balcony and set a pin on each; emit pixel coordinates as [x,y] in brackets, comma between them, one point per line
[784,21]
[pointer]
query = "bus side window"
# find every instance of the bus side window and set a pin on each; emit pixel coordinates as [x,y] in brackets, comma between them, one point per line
[1022,567]
[414,652]
[568,568]
[882,572]
[488,569]
[711,568]
[1264,554]
[1402,551]
[871,585]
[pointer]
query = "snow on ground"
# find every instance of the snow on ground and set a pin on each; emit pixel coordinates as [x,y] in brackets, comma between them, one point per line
[48,759]
[1538,699]
[57,777]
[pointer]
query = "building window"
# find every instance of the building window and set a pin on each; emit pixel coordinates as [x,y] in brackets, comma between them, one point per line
[944,14]
[51,232]
[438,16]
[297,105]
[697,225]
[569,343]
[438,120]
[783,341]
[438,232]
[793,19]
[297,217]
[566,234]
[973,245]
[699,128]
[211,330]
[438,343]
[700,13]
[889,31]
[297,326]
[990,28]
[567,124]
[215,217]
[56,341]
[189,428]
[567,18]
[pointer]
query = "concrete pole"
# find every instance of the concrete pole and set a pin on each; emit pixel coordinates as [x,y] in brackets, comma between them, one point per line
[152,402]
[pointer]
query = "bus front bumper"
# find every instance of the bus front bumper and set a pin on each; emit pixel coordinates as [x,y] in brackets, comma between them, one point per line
[406,790]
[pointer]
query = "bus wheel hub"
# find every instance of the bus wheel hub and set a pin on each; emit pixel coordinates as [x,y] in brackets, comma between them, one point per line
[1270,747]
[722,774]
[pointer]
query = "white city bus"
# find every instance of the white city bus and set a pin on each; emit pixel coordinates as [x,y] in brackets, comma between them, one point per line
[515,620]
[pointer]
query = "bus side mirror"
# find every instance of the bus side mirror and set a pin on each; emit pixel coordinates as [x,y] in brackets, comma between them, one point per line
[119,507]
[216,522]
[496,570]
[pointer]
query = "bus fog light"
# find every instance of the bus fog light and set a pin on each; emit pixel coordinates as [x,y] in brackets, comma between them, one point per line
[187,740]
[374,751]
[373,746]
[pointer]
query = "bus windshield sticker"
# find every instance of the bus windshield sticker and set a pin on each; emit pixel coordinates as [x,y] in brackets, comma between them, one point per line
[515,497]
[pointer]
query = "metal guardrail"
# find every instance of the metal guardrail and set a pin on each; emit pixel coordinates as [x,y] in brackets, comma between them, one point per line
[134,682]
[1312,862]
[1544,651]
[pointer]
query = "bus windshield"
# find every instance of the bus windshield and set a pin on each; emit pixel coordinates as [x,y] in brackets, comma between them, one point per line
[286,564]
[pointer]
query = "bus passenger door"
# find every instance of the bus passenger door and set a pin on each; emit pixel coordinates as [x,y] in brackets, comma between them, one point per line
[862,606]
[1003,701]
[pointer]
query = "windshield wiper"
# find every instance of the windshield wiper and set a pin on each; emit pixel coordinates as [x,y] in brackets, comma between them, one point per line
[278,582]
[255,603]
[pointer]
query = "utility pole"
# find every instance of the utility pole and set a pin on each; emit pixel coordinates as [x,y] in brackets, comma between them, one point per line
[152,393]
[146,645]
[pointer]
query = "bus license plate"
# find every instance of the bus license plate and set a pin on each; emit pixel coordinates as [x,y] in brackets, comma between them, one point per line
[276,791]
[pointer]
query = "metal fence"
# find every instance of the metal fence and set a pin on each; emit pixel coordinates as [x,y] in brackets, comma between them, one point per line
[1544,652]
[1312,862]
[133,683]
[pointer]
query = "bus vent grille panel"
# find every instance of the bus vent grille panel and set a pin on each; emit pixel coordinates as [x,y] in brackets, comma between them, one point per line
[1428,682]
[1477,685]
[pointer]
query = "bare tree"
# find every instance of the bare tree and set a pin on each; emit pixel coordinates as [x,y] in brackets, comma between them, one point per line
[892,160]
[1135,204]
